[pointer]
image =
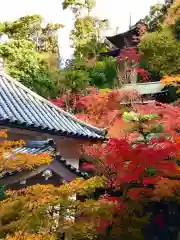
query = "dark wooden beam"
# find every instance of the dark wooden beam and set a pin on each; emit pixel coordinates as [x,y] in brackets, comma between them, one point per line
[56,166]
[5,181]
[62,170]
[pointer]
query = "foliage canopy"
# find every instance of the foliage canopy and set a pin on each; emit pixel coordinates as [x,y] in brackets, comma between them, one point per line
[25,64]
[31,53]
[161,47]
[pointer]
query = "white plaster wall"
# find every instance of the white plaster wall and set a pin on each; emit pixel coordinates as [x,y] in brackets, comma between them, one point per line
[69,149]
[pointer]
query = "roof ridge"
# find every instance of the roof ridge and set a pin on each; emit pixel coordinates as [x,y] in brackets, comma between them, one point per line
[123,33]
[17,83]
[39,143]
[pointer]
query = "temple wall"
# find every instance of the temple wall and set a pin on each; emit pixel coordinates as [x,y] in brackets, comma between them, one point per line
[69,149]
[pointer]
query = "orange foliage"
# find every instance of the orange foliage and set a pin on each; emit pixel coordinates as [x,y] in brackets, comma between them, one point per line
[21,236]
[3,133]
[171,80]
[100,108]
[173,13]
[167,188]
[104,107]
[177,140]
[169,117]
[12,161]
[120,129]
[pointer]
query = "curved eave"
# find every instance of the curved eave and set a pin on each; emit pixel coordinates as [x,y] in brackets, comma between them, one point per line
[118,40]
[112,53]
[16,124]
[21,106]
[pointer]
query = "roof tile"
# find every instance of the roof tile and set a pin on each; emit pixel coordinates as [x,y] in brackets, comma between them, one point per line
[22,107]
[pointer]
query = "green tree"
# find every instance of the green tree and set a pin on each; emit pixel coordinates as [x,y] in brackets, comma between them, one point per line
[87,44]
[77,5]
[32,28]
[86,36]
[31,54]
[155,17]
[78,75]
[75,80]
[103,73]
[161,48]
[25,64]
[161,52]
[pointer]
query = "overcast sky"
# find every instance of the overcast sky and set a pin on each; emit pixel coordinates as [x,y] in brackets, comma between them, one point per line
[117,11]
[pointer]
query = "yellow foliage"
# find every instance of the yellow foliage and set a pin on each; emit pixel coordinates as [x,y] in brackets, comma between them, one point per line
[30,208]
[51,194]
[173,13]
[12,161]
[21,236]
[3,133]
[83,187]
[172,81]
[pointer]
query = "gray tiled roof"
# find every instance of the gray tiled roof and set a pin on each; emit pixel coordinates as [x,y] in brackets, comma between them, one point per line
[21,107]
[36,147]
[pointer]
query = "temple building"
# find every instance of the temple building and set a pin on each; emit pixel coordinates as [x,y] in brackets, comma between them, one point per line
[44,127]
[56,173]
[122,40]
[150,92]
[129,38]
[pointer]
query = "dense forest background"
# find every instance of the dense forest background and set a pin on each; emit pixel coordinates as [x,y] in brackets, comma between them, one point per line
[32,55]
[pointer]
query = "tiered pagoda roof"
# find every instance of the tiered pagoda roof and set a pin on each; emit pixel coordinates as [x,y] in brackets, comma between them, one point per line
[121,40]
[124,39]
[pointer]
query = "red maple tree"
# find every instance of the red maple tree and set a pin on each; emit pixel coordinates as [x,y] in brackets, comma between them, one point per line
[142,170]
[130,58]
[140,159]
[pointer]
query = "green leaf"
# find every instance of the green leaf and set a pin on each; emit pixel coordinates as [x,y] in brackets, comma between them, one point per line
[130,117]
[2,193]
[151,171]
[157,128]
